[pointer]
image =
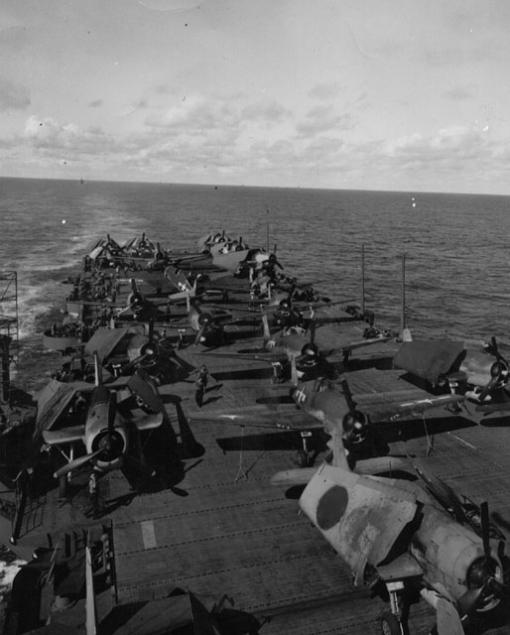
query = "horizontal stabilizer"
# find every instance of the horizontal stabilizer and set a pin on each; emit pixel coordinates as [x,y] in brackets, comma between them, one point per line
[288,478]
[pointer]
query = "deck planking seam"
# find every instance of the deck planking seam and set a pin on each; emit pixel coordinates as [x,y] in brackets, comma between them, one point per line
[224,536]
[201,510]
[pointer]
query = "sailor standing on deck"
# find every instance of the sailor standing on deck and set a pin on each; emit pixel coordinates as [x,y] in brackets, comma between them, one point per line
[201,385]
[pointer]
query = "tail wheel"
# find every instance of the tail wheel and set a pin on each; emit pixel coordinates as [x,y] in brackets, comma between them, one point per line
[391,625]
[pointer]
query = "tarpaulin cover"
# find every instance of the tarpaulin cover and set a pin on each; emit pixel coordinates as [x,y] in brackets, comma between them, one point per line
[53,399]
[170,615]
[429,359]
[104,341]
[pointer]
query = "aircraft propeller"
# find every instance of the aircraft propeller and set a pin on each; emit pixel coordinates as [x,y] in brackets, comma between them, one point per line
[75,464]
[204,320]
[499,370]
[148,352]
[354,423]
[484,588]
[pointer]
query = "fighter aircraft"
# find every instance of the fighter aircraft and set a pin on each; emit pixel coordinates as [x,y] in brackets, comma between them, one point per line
[481,374]
[330,406]
[106,425]
[410,538]
[307,350]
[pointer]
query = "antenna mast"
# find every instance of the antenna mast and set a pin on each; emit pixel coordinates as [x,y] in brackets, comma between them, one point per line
[403,317]
[363,278]
[267,229]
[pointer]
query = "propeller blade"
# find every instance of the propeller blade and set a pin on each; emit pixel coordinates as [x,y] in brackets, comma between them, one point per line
[468,602]
[112,411]
[351,404]
[265,325]
[75,464]
[293,371]
[98,376]
[484,517]
[312,328]
[199,334]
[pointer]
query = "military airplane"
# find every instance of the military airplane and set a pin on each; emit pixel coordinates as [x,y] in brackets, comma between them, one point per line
[481,374]
[105,425]
[409,537]
[330,406]
[307,351]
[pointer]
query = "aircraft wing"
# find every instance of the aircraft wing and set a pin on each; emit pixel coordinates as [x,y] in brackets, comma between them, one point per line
[391,407]
[352,345]
[285,417]
[360,516]
[261,355]
[64,435]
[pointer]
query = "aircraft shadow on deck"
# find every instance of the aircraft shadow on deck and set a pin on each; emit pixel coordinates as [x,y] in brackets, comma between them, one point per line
[269,441]
[249,373]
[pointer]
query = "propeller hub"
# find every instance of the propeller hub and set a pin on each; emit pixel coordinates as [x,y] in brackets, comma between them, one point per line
[479,578]
[499,370]
[111,443]
[355,427]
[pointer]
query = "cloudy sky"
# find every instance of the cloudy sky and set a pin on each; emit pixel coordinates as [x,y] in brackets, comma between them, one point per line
[371,94]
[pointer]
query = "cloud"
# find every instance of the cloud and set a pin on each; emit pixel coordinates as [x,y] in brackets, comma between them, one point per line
[325,91]
[13,96]
[448,147]
[196,114]
[265,112]
[324,119]
[458,93]
[96,103]
[48,137]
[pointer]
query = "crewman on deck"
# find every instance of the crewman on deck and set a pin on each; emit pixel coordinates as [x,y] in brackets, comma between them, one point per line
[201,385]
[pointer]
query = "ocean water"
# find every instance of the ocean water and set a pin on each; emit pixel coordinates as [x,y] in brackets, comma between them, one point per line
[456,246]
[456,249]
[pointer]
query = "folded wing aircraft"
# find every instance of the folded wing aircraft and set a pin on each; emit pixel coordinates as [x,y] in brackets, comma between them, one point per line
[102,429]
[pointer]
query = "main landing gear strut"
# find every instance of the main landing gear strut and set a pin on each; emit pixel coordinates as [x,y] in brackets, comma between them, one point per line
[391,621]
[305,456]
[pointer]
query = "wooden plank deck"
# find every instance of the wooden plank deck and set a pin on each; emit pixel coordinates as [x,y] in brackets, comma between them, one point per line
[222,529]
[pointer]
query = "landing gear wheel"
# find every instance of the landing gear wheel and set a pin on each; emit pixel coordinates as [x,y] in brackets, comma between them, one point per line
[390,625]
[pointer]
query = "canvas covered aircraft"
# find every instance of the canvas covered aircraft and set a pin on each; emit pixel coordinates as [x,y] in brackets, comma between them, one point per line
[81,415]
[123,350]
[481,374]
[411,537]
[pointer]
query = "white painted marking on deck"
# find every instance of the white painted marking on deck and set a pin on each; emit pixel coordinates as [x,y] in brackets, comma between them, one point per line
[148,534]
[464,442]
